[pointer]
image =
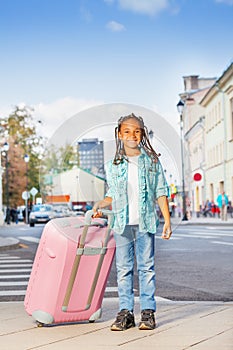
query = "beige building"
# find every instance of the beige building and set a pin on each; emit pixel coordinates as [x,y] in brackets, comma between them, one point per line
[194,139]
[208,137]
[218,104]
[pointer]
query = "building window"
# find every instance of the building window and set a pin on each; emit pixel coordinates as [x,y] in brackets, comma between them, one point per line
[231,113]
[211,192]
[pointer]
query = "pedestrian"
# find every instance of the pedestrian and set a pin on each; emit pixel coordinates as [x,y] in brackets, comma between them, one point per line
[207,209]
[8,216]
[222,201]
[135,180]
[230,209]
[15,214]
[213,208]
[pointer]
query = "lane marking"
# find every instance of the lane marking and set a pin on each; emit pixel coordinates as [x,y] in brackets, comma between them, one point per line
[15,270]
[224,243]
[16,265]
[114,289]
[9,284]
[5,293]
[14,261]
[192,235]
[6,277]
[30,239]
[172,237]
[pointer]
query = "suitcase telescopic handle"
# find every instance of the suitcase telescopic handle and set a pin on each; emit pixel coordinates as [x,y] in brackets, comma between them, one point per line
[88,218]
[108,213]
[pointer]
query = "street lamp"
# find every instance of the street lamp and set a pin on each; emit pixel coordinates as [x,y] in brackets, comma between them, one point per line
[151,135]
[180,108]
[26,159]
[6,149]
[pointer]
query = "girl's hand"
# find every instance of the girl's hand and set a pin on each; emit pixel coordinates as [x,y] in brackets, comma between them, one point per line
[107,201]
[97,213]
[167,231]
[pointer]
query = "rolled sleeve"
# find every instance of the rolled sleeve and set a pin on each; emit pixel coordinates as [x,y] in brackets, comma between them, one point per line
[162,188]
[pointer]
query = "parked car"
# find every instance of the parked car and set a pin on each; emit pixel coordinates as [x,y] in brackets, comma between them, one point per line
[41,213]
[61,211]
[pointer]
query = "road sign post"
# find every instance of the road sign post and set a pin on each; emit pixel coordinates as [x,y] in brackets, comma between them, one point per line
[26,196]
[33,192]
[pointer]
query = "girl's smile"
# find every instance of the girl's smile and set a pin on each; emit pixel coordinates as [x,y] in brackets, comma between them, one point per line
[131,134]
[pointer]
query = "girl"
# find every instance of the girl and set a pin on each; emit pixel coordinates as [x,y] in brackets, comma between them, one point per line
[135,180]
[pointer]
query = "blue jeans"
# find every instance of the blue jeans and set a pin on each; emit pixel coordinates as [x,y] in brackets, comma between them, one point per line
[143,244]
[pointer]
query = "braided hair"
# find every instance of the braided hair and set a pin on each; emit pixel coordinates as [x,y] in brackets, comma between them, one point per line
[145,142]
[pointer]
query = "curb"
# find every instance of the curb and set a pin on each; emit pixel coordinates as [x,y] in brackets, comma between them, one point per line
[207,223]
[9,243]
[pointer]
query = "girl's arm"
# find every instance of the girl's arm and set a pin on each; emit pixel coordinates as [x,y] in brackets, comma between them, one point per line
[163,204]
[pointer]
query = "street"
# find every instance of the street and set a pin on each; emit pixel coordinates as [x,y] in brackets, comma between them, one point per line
[195,264]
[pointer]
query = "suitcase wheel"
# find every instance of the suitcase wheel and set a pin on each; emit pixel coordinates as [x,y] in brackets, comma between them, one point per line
[42,317]
[39,324]
[95,316]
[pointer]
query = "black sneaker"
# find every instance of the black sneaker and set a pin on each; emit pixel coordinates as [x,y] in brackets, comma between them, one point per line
[124,320]
[147,320]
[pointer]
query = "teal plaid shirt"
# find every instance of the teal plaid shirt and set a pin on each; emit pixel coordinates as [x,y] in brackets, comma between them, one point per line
[152,185]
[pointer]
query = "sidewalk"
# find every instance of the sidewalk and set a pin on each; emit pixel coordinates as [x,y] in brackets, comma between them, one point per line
[203,221]
[180,326]
[209,221]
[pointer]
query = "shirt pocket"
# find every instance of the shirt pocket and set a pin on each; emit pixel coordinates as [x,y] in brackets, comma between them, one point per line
[152,178]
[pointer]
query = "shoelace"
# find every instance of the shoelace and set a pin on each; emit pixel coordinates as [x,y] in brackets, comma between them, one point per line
[146,315]
[121,314]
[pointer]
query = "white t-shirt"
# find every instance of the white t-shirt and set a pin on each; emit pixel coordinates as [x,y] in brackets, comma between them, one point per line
[133,190]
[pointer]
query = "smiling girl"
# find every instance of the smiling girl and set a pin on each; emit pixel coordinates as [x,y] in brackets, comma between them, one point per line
[135,181]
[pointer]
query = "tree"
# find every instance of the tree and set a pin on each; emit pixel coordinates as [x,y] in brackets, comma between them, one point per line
[19,130]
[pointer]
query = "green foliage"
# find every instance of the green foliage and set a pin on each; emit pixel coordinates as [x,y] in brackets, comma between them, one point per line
[19,130]
[58,160]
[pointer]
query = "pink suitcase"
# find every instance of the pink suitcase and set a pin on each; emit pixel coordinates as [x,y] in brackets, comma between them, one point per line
[70,270]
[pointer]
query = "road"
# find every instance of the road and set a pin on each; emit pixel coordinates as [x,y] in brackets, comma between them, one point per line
[195,264]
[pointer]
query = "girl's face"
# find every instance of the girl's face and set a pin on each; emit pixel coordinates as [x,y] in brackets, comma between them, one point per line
[131,134]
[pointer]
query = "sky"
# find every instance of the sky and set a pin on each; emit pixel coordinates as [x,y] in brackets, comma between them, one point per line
[64,56]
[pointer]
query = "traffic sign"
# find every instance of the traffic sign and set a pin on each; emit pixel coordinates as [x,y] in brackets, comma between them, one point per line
[25,195]
[33,191]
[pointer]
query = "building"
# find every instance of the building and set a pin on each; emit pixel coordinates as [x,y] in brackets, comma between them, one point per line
[76,186]
[208,137]
[194,138]
[91,156]
[218,104]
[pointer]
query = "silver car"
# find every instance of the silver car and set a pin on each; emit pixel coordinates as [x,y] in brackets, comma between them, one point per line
[40,214]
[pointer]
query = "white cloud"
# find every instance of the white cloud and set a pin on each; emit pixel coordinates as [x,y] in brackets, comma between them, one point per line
[148,7]
[227,2]
[55,113]
[115,26]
